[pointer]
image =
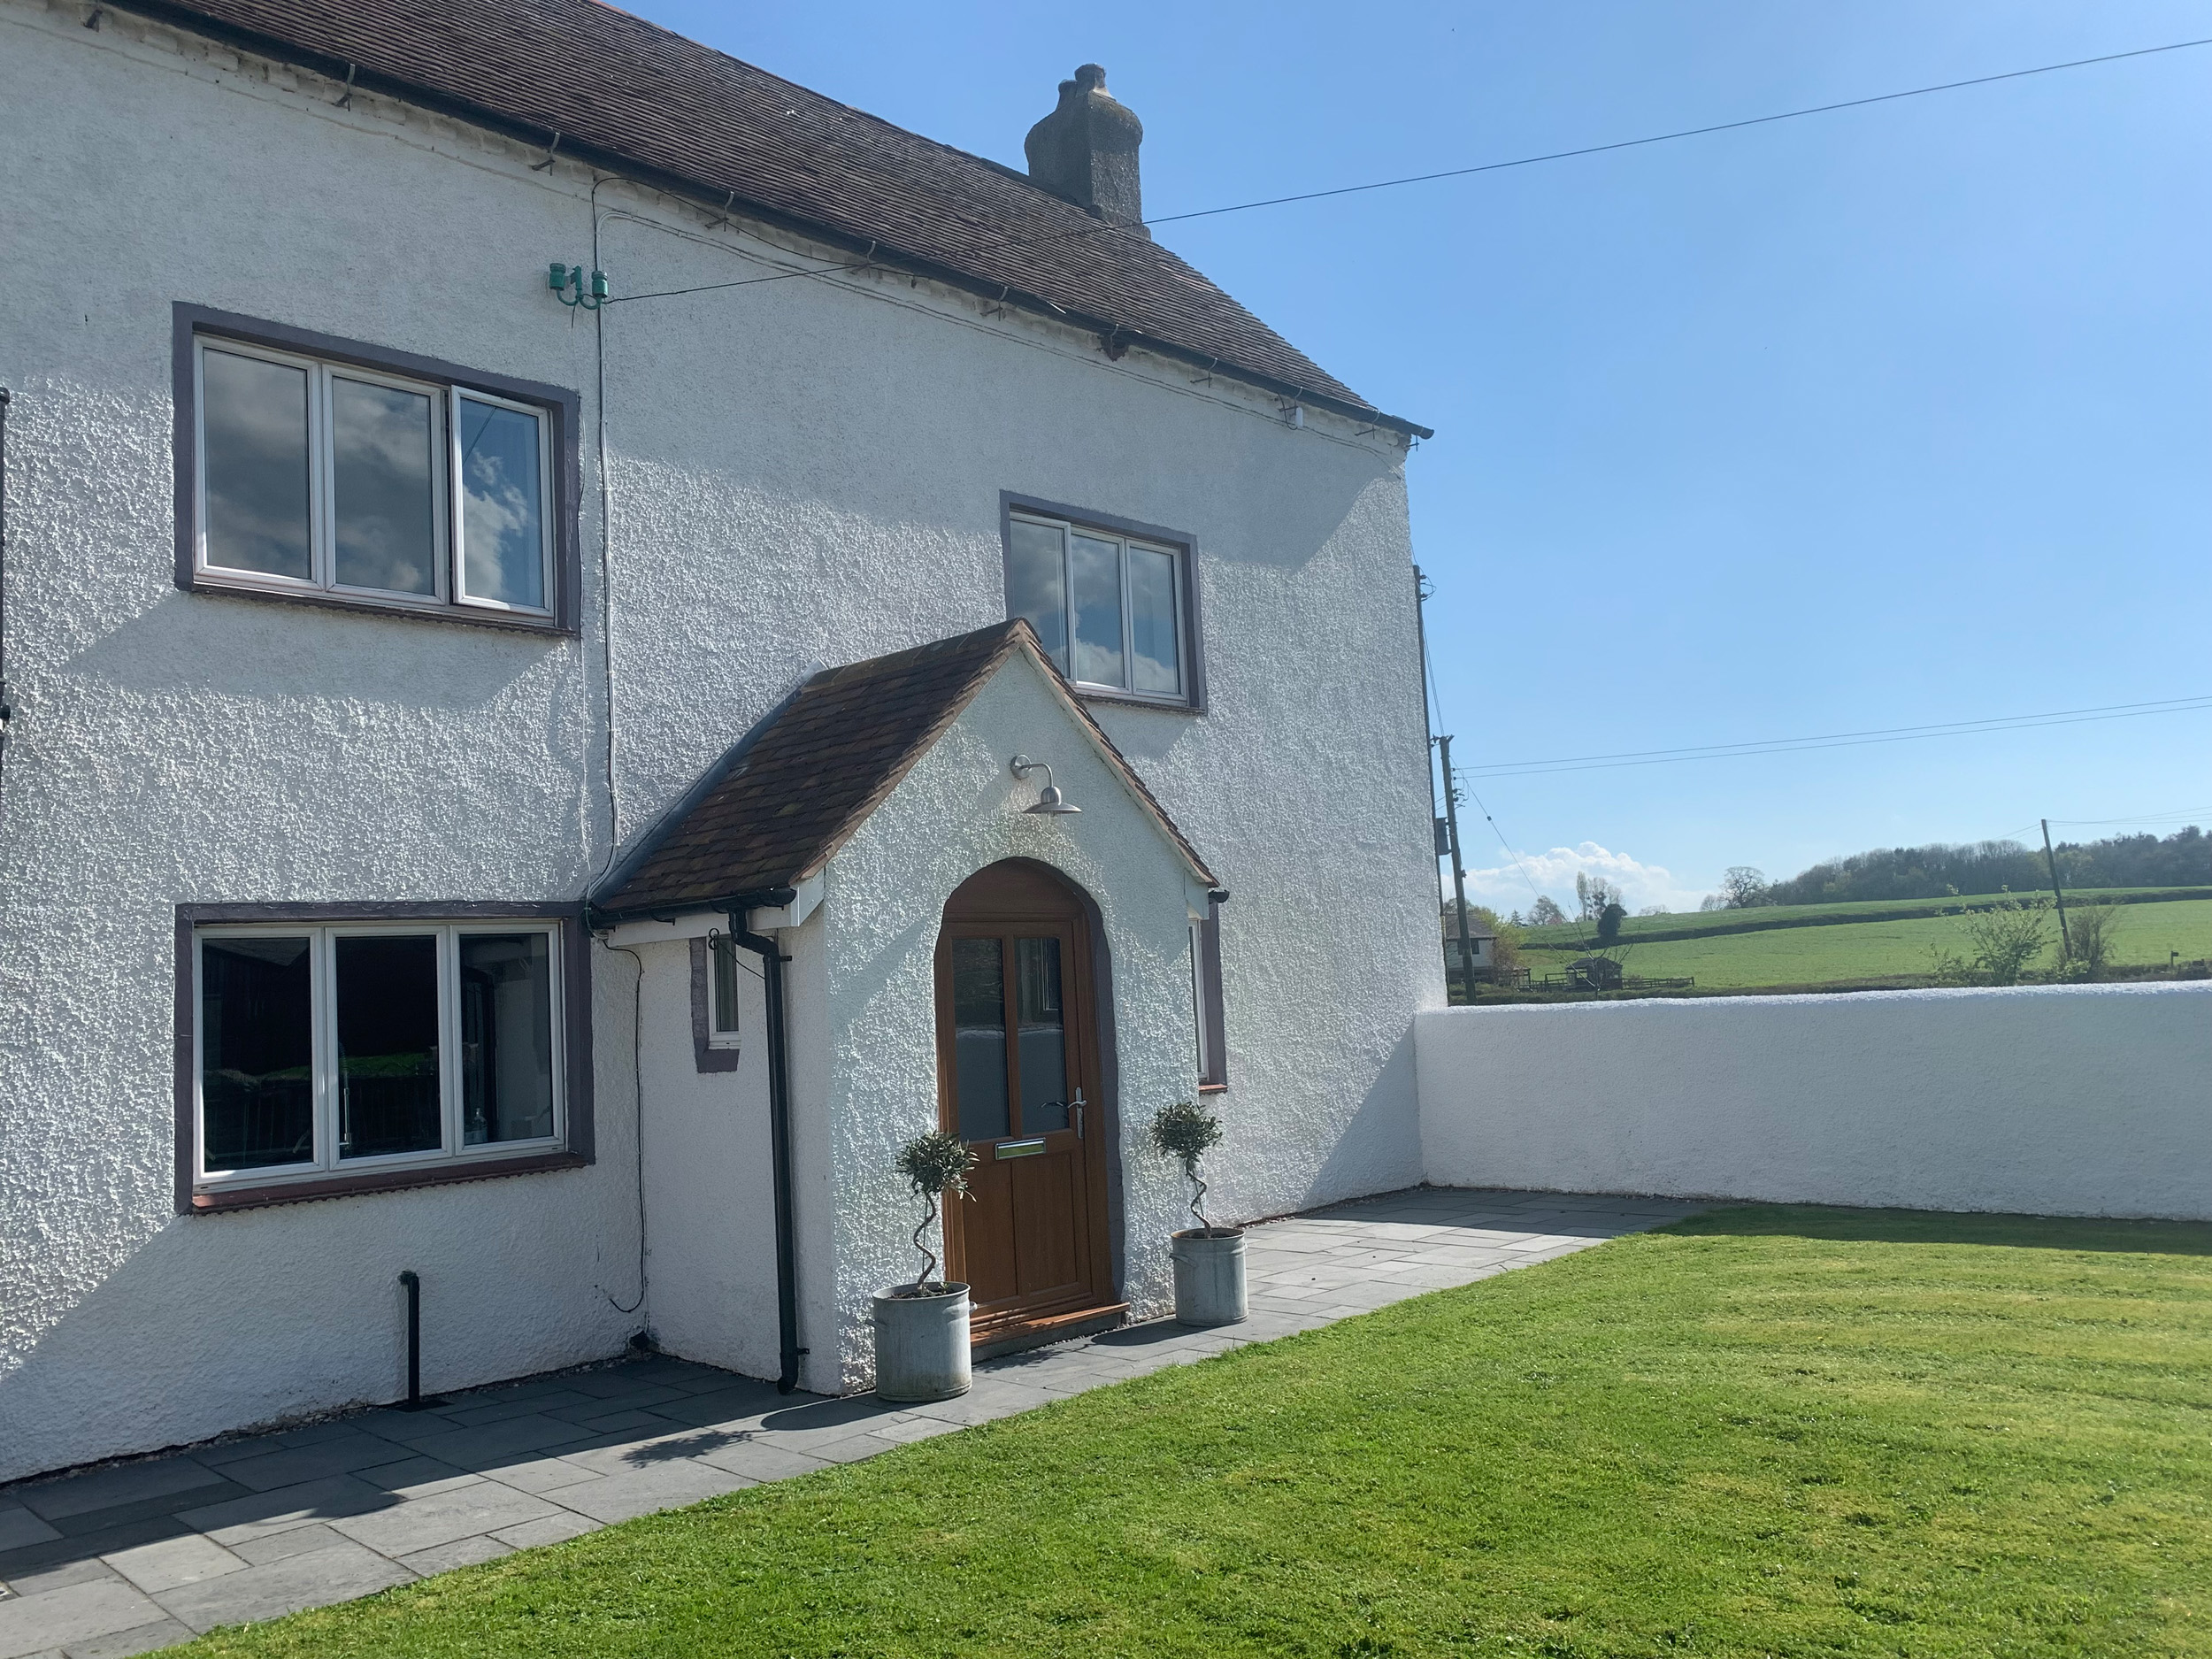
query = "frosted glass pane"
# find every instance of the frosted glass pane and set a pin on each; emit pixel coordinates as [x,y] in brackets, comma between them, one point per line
[502,529]
[1097,572]
[380,481]
[1159,664]
[979,1038]
[1036,585]
[253,421]
[1043,1048]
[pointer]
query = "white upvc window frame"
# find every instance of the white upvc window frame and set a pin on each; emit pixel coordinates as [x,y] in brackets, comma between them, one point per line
[1069,528]
[452,1149]
[448,570]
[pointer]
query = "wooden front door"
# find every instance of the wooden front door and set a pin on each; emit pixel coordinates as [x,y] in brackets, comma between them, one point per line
[1017,1080]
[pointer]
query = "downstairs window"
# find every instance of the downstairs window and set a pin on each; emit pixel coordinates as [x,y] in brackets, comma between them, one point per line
[322,1051]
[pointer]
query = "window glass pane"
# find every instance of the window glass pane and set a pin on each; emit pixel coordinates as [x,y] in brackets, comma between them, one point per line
[502,531]
[1158,665]
[725,971]
[506,1037]
[253,418]
[979,1038]
[257,1053]
[380,481]
[388,1045]
[1097,575]
[1036,584]
[1043,1035]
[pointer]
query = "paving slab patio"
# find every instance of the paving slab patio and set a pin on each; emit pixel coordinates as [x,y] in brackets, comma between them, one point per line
[123,1559]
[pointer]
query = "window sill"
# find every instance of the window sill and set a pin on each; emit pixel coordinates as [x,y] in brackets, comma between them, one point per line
[221,1199]
[1213,1088]
[1130,700]
[467,616]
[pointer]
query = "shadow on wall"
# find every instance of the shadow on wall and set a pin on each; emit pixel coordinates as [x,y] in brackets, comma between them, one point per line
[1935,1227]
[219,645]
[1378,1149]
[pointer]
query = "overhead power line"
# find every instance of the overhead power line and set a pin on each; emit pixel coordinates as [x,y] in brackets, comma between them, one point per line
[1837,740]
[870,262]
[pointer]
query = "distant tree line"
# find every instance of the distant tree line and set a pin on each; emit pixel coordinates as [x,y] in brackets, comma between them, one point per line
[2181,859]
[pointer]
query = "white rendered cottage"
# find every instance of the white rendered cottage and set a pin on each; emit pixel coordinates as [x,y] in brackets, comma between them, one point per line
[524,794]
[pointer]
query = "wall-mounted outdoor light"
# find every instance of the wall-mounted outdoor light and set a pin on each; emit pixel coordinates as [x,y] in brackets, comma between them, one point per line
[1048,802]
[564,277]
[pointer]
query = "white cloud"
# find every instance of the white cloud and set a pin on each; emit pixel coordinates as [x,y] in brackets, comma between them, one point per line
[1505,889]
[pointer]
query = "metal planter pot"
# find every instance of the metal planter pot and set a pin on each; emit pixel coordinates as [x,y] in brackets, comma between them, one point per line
[922,1346]
[1210,1277]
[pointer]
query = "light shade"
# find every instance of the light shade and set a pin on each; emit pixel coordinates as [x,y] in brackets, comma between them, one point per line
[1050,802]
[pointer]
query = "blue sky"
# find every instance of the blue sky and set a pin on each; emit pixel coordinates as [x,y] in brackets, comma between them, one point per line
[1878,418]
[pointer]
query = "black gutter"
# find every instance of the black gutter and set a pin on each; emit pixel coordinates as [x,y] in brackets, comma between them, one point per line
[772,961]
[701,195]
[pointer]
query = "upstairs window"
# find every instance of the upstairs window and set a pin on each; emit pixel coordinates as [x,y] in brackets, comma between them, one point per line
[1112,609]
[328,1050]
[321,478]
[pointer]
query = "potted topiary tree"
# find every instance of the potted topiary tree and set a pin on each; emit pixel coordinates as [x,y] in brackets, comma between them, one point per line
[1208,1260]
[922,1328]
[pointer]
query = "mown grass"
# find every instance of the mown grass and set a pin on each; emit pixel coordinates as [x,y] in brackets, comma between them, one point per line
[1765,1431]
[1764,918]
[1876,947]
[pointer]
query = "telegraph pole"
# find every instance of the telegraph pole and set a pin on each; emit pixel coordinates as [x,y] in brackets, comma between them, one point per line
[2050,859]
[1459,872]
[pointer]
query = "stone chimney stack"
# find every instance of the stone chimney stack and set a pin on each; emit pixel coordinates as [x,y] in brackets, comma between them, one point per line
[1085,151]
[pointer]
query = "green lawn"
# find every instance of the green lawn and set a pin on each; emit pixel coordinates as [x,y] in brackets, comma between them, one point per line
[1874,948]
[1766,1432]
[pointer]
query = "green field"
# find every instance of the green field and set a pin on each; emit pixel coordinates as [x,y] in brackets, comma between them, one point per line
[1873,949]
[1763,1432]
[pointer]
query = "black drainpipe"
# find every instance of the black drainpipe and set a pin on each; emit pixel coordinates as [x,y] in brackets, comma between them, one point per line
[772,961]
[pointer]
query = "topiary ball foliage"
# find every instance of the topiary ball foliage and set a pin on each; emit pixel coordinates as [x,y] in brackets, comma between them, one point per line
[1184,1131]
[936,1163]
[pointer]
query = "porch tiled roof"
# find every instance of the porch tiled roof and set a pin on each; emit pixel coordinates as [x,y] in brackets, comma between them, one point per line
[633,98]
[775,808]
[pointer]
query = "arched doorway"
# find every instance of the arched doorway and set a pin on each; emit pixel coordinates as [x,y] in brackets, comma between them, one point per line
[1018,1080]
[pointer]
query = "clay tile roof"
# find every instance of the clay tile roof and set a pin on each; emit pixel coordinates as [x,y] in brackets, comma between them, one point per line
[773,811]
[633,98]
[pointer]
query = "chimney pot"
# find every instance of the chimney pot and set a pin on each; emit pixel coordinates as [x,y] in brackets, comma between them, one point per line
[1086,151]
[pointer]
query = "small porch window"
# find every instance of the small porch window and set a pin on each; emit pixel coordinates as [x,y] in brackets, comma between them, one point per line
[374,1048]
[1205,968]
[718,978]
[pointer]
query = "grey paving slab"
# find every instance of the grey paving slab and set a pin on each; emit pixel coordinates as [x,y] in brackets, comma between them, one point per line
[173,1562]
[124,1643]
[336,1573]
[78,1612]
[637,1492]
[424,1522]
[462,1552]
[19,1526]
[135,1556]
[554,1529]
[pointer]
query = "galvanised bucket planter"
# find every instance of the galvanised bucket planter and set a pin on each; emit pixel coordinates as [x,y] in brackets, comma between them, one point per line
[922,1346]
[1210,1276]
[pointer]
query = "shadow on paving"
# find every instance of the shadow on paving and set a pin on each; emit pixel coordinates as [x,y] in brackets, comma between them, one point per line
[1933,1226]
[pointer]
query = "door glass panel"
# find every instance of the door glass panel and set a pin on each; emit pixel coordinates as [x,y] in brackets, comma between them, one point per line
[253,421]
[979,1038]
[381,476]
[503,535]
[1097,571]
[1043,1035]
[257,1053]
[388,1045]
[506,1037]
[1158,665]
[1036,584]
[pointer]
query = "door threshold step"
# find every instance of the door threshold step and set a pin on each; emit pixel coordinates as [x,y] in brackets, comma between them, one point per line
[1043,1333]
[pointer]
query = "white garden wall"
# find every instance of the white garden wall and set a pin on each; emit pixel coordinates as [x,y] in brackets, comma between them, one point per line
[2055,1100]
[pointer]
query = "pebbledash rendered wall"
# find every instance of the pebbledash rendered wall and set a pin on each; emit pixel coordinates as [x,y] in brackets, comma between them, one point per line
[2052,1100]
[800,473]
